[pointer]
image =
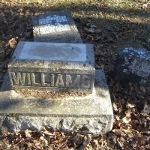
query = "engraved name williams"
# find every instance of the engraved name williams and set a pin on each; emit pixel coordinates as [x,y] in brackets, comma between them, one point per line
[43,79]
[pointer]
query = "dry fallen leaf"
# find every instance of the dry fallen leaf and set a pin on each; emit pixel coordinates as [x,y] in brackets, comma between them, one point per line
[146,108]
[12,42]
[115,107]
[44,141]
[142,88]
[128,113]
[129,105]
[126,120]
[90,30]
[28,133]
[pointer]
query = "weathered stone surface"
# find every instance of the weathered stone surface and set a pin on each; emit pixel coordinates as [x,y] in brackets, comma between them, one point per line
[132,65]
[51,66]
[88,114]
[56,27]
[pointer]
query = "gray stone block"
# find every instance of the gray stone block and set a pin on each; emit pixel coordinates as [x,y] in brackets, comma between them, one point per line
[51,66]
[90,113]
[56,27]
[132,65]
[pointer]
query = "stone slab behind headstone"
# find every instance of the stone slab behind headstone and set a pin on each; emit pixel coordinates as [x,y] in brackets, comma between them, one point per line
[56,27]
[51,66]
[87,114]
[132,65]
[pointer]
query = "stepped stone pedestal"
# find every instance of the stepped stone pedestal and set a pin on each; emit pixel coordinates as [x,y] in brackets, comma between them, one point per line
[55,85]
[55,27]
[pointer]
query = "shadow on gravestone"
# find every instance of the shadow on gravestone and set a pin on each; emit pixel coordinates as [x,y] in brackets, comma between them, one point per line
[132,65]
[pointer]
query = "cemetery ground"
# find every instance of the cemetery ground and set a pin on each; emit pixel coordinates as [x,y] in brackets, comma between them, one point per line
[110,26]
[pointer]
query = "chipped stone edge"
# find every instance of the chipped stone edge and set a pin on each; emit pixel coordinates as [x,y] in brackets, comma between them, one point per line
[86,124]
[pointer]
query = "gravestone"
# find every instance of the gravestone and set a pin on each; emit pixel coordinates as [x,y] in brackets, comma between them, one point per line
[132,65]
[55,27]
[53,66]
[63,93]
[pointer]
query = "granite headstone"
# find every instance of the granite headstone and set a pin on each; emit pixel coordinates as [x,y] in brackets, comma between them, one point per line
[132,65]
[57,27]
[52,66]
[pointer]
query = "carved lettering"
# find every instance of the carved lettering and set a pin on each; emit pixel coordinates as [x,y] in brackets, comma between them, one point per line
[86,81]
[18,78]
[29,79]
[76,82]
[49,19]
[33,80]
[68,80]
[53,28]
[53,24]
[43,82]
[51,80]
[59,81]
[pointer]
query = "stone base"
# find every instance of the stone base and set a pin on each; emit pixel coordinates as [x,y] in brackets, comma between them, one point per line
[86,114]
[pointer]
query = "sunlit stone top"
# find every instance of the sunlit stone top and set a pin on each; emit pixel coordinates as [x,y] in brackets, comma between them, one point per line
[53,51]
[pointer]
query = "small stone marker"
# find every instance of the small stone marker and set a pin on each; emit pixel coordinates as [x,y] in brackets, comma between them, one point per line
[55,27]
[52,66]
[132,65]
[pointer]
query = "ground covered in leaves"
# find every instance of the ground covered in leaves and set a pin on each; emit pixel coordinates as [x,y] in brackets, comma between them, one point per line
[110,26]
